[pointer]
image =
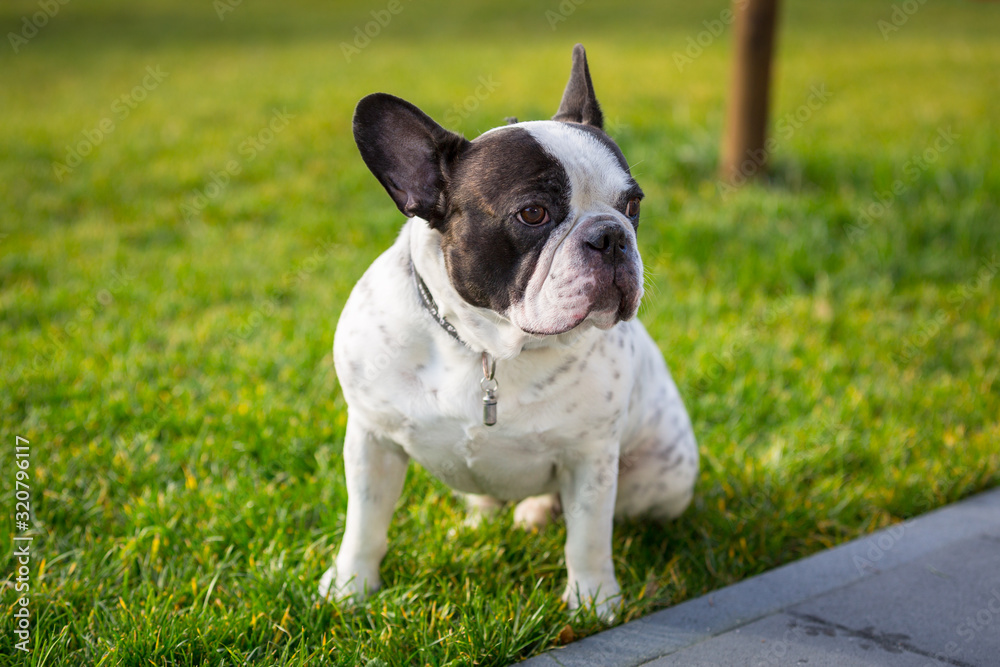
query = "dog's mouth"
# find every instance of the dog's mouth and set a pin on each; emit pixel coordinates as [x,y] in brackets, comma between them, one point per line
[613,305]
[555,331]
[578,287]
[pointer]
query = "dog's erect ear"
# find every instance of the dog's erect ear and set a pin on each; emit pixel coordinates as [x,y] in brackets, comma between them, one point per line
[579,103]
[408,152]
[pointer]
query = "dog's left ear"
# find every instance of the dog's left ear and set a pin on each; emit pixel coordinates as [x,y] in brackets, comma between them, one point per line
[579,103]
[409,153]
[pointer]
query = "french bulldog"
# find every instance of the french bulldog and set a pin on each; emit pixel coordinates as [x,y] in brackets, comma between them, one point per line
[496,344]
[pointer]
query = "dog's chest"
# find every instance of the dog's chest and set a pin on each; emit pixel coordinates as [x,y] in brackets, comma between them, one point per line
[551,408]
[503,462]
[415,387]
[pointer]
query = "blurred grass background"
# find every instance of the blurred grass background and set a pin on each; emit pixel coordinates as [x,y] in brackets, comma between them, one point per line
[173,372]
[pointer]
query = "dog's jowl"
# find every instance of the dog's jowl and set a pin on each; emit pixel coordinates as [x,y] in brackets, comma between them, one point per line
[495,342]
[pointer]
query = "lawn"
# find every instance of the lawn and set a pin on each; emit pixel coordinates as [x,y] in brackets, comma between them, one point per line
[183,214]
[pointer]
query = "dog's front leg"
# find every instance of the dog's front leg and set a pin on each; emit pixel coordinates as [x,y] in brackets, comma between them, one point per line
[375,470]
[588,496]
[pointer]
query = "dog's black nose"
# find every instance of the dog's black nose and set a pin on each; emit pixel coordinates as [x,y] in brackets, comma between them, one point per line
[609,240]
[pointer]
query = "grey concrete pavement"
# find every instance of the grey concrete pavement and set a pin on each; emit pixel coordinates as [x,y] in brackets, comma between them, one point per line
[924,592]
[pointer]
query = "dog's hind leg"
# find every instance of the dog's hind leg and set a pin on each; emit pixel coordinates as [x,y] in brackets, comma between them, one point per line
[479,508]
[656,478]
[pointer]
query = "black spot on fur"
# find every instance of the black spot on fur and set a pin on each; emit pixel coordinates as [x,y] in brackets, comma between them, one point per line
[551,380]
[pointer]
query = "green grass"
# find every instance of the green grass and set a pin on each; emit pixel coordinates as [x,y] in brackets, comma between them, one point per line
[176,383]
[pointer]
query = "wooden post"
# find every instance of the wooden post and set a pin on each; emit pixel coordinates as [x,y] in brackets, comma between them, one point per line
[743,152]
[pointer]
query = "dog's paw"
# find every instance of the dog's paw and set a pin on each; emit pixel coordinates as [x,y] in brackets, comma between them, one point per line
[537,511]
[351,588]
[602,595]
[480,508]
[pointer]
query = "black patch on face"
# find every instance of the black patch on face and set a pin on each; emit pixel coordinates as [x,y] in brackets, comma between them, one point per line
[490,255]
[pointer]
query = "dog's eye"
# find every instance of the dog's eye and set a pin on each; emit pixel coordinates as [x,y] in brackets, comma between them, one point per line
[533,215]
[632,208]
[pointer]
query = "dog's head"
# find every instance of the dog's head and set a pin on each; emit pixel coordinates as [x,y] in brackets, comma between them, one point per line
[538,220]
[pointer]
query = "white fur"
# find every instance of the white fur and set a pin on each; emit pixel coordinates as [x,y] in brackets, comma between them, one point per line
[591,414]
[595,175]
[556,297]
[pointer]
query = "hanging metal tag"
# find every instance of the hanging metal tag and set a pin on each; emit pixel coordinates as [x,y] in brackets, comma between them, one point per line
[490,407]
[489,386]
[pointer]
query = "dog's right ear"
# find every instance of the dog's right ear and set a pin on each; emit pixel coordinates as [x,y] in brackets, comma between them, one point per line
[579,103]
[410,154]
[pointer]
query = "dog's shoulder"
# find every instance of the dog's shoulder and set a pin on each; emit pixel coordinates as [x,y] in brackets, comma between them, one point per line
[380,321]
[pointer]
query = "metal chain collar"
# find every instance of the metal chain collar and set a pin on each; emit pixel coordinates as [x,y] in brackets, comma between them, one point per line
[488,384]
